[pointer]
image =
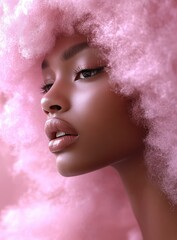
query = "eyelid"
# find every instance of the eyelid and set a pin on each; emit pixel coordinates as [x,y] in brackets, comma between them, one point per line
[88,67]
[48,75]
[48,82]
[80,70]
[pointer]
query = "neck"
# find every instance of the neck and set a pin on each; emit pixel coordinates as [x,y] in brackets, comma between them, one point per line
[157,218]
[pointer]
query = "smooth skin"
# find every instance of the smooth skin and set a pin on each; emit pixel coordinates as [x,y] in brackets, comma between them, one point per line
[77,90]
[102,119]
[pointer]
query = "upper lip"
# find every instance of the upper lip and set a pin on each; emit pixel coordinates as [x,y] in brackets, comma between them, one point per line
[54,125]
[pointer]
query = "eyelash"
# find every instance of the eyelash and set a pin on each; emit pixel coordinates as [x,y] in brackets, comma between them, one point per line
[46,87]
[93,71]
[80,71]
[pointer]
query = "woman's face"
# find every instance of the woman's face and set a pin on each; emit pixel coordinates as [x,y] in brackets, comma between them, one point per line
[89,126]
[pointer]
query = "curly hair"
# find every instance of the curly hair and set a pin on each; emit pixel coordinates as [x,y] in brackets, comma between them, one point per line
[138,40]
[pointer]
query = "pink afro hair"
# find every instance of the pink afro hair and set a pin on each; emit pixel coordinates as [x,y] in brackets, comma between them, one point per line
[138,39]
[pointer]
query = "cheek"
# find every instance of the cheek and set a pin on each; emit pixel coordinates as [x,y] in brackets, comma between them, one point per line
[102,115]
[106,131]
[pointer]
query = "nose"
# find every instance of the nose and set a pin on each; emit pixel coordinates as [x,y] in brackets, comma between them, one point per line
[54,102]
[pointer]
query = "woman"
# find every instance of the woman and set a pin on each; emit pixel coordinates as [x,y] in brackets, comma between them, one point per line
[104,131]
[109,89]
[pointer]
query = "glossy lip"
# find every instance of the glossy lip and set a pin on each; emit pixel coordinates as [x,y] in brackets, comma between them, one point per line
[54,125]
[59,144]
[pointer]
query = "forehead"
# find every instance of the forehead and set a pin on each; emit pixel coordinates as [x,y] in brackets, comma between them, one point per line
[65,42]
[67,47]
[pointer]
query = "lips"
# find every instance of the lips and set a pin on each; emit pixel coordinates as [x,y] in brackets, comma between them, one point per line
[60,133]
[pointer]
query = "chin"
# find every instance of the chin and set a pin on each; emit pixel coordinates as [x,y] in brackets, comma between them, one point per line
[71,168]
[71,172]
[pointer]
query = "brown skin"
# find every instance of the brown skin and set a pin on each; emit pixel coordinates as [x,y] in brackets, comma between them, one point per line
[107,133]
[100,116]
[156,216]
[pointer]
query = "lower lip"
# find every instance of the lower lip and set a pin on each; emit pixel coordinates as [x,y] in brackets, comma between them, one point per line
[59,144]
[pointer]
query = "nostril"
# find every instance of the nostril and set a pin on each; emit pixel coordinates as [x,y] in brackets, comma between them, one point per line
[55,107]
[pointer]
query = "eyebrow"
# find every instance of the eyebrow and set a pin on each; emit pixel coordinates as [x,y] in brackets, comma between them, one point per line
[72,51]
[69,53]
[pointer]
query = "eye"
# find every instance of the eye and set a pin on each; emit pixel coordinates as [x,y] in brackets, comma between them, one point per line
[88,73]
[46,87]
